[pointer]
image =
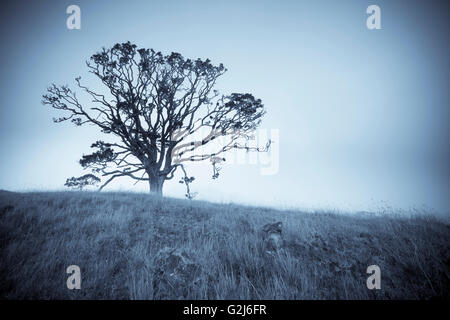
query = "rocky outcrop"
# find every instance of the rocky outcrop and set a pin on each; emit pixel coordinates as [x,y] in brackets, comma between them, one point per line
[272,237]
[175,273]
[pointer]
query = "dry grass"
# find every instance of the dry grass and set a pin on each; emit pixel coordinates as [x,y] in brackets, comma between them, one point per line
[114,238]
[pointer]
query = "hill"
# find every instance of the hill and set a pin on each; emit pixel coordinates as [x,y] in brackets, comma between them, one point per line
[135,246]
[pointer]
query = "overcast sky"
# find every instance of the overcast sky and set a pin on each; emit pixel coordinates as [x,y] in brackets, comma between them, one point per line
[362,115]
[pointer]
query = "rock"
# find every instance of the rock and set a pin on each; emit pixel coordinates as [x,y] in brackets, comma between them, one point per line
[175,274]
[272,236]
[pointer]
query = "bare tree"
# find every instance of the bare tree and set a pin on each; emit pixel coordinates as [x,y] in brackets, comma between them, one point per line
[154,104]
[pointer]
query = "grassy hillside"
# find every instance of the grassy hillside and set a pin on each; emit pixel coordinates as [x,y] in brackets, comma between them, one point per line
[121,242]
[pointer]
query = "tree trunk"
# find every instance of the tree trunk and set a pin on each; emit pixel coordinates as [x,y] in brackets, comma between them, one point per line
[156,185]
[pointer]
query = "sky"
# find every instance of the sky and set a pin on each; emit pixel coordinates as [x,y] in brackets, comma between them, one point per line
[359,117]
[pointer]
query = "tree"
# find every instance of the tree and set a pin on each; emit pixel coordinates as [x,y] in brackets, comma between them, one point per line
[81,182]
[153,106]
